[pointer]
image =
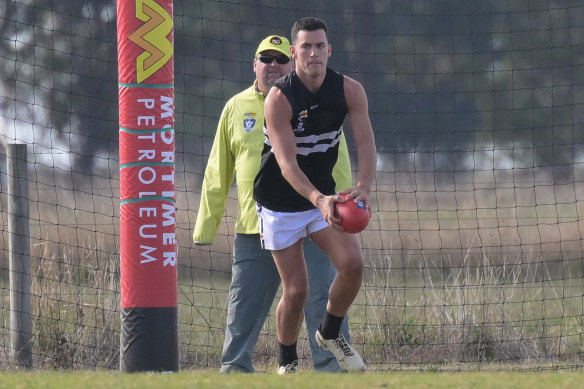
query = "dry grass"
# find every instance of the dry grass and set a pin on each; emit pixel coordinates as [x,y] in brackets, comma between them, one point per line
[76,311]
[468,318]
[421,306]
[475,315]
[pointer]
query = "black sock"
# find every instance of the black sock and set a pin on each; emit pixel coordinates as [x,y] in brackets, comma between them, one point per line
[287,354]
[330,328]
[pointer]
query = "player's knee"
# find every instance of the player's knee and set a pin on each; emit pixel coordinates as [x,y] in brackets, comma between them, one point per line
[297,295]
[353,269]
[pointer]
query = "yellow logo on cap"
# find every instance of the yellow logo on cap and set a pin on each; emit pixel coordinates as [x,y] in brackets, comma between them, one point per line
[276,41]
[152,37]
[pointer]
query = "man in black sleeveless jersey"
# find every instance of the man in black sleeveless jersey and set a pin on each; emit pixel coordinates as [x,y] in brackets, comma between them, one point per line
[255,280]
[295,191]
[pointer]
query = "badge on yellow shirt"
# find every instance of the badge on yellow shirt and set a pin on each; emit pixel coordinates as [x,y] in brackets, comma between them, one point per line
[249,122]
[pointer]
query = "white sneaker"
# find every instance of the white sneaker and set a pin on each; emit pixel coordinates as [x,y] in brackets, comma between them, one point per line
[348,358]
[290,368]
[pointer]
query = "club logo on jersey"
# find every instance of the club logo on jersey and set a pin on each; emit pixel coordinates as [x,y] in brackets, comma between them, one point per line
[249,121]
[302,117]
[152,36]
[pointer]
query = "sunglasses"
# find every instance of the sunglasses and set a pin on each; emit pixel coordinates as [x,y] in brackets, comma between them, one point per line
[280,59]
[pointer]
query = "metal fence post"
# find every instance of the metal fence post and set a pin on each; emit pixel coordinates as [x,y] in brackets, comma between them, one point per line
[19,256]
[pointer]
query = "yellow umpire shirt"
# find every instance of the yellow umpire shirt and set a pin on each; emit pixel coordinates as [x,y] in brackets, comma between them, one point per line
[237,147]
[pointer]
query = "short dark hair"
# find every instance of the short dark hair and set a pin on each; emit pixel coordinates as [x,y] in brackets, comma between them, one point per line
[307,24]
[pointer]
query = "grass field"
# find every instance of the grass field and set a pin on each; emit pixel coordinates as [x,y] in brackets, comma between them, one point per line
[213,380]
[528,324]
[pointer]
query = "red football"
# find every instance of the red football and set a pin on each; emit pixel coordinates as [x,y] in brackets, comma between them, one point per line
[354,216]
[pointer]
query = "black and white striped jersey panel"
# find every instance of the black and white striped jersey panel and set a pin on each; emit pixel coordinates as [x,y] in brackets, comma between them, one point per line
[306,145]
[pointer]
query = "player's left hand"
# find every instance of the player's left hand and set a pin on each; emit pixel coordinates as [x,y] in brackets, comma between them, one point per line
[357,193]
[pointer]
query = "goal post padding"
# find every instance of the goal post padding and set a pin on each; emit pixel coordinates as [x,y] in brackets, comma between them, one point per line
[148,246]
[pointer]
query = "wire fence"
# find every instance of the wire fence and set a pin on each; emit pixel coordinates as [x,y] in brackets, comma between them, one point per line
[474,253]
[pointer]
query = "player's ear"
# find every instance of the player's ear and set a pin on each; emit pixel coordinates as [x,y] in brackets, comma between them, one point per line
[293,52]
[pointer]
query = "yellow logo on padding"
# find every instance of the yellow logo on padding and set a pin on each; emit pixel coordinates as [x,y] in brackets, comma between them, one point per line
[152,37]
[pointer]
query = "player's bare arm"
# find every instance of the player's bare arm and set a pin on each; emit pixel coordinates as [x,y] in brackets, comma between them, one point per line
[278,113]
[364,139]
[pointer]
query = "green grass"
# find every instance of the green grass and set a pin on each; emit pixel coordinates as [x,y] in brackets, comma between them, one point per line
[213,380]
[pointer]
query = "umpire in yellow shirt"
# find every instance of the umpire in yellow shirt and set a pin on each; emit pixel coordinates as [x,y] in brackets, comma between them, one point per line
[236,152]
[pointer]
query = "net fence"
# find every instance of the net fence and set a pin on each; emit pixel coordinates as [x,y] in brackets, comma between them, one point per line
[474,253]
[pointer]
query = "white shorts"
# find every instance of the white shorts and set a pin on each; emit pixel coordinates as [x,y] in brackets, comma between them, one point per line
[279,230]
